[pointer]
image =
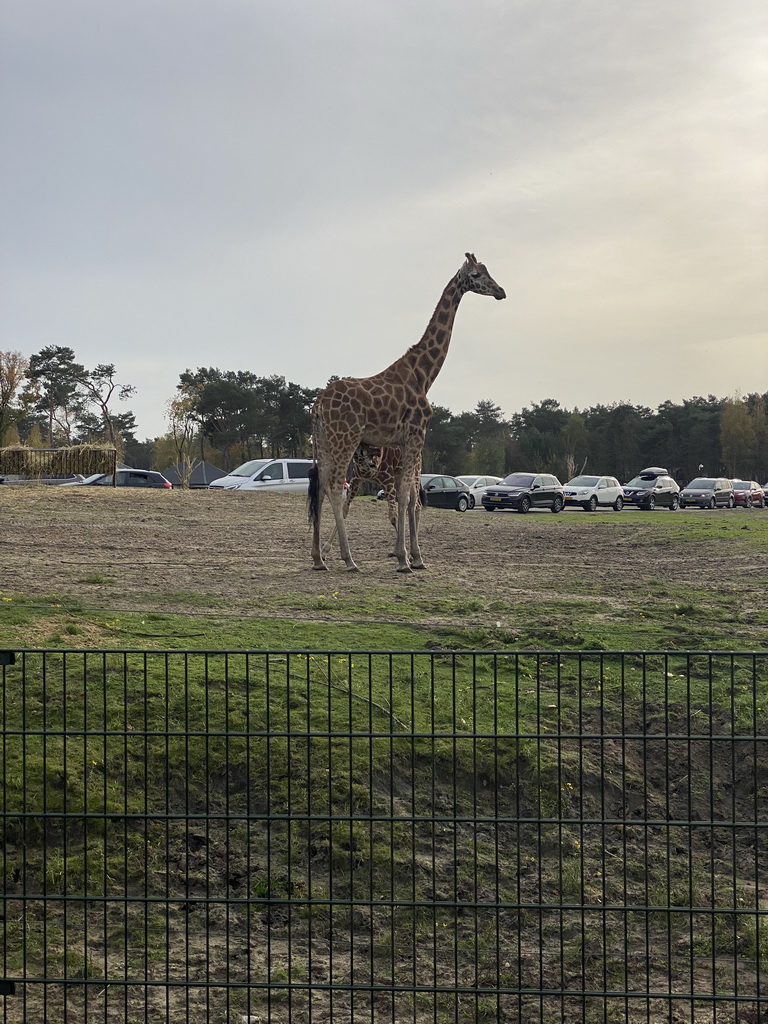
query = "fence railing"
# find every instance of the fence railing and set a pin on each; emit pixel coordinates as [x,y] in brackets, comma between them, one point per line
[366,836]
[20,463]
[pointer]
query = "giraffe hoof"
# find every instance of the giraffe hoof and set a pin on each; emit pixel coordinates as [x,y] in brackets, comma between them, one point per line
[404,568]
[419,566]
[320,568]
[353,568]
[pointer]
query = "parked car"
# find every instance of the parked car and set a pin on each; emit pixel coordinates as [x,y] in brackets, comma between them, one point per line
[267,474]
[126,478]
[707,492]
[477,485]
[444,492]
[524,491]
[80,480]
[60,481]
[748,493]
[652,487]
[591,492]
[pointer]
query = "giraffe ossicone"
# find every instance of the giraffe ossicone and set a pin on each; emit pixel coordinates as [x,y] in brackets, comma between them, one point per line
[390,409]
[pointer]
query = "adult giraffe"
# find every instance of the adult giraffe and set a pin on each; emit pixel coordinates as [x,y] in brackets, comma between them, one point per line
[390,408]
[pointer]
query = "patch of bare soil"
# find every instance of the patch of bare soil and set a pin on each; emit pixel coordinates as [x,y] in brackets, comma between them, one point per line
[155,549]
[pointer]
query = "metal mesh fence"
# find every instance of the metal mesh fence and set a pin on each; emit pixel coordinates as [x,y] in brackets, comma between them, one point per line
[36,463]
[384,837]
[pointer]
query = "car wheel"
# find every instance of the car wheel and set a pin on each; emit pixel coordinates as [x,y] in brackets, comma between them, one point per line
[748,503]
[557,504]
[675,503]
[463,503]
[712,503]
[489,508]
[525,505]
[618,505]
[731,502]
[651,504]
[591,505]
[471,501]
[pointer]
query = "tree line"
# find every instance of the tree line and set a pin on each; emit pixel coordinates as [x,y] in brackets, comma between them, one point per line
[227,417]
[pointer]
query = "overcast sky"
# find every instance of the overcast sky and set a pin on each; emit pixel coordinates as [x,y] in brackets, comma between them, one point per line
[286,187]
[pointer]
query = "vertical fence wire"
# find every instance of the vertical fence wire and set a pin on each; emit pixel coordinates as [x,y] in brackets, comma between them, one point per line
[384,836]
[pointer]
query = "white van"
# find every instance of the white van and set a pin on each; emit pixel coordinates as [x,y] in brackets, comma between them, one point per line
[290,475]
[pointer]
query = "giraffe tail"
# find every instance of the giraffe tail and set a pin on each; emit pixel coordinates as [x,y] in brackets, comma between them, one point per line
[313,496]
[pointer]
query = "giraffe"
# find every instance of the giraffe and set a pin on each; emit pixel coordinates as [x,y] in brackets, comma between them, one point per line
[379,465]
[383,466]
[389,409]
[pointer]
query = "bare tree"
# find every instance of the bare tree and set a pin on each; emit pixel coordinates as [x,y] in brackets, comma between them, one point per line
[13,370]
[98,387]
[182,420]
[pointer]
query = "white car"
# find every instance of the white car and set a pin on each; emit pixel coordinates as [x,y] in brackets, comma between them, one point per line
[593,492]
[290,475]
[476,485]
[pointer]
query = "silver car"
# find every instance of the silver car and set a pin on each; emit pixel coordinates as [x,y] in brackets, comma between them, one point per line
[476,485]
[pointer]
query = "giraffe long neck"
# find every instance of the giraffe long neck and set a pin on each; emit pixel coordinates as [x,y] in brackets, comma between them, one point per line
[425,359]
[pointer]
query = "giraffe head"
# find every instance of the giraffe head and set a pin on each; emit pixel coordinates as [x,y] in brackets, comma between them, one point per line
[474,277]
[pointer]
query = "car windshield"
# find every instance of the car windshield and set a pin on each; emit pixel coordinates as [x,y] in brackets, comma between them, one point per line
[583,481]
[518,480]
[702,482]
[468,480]
[742,485]
[647,482]
[249,468]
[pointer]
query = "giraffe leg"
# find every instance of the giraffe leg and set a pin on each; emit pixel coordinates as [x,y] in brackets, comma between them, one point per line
[392,512]
[315,506]
[403,565]
[414,515]
[405,486]
[336,498]
[349,495]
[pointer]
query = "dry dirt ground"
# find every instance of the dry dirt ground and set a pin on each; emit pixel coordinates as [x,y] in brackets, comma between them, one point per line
[241,549]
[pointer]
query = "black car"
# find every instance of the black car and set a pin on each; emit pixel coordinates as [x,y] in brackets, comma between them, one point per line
[651,487]
[444,492]
[524,491]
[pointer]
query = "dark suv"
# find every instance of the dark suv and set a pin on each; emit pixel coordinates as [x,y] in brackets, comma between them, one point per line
[651,487]
[524,491]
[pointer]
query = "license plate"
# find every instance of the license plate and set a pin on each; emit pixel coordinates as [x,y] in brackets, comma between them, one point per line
[494,498]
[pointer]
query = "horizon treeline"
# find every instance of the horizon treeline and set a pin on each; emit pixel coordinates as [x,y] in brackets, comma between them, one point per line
[228,417]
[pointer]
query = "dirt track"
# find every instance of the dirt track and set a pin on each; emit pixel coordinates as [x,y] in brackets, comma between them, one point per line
[240,549]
